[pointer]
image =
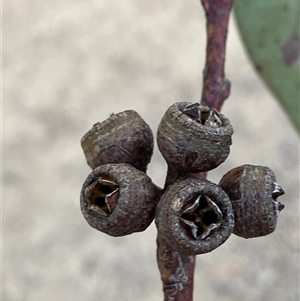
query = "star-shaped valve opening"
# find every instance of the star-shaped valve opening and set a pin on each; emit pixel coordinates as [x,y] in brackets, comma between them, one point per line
[278,191]
[103,196]
[200,216]
[206,116]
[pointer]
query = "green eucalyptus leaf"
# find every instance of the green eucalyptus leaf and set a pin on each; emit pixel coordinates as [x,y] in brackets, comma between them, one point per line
[271,34]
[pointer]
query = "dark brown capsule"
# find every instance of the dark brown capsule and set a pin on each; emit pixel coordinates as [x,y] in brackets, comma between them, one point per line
[118,199]
[194,138]
[253,192]
[121,138]
[194,216]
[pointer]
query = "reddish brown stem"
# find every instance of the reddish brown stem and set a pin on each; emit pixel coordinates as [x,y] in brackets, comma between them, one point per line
[177,272]
[216,87]
[176,269]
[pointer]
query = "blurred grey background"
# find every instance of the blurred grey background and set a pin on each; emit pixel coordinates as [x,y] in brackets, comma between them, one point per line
[68,64]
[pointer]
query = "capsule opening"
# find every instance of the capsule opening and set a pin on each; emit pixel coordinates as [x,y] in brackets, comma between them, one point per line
[104,195]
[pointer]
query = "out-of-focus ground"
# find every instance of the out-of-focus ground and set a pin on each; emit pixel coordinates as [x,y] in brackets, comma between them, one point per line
[68,64]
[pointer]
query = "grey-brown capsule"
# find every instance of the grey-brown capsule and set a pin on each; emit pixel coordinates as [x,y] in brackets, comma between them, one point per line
[194,216]
[253,192]
[121,138]
[118,199]
[194,138]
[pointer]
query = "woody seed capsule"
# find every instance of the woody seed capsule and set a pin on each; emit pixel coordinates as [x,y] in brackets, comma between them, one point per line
[193,138]
[253,192]
[194,216]
[118,199]
[121,138]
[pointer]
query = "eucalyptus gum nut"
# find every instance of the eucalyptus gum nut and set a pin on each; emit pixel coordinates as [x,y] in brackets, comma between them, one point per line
[194,138]
[171,216]
[121,138]
[253,192]
[118,199]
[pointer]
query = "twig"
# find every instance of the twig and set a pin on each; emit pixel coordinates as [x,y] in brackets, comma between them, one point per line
[176,269]
[216,88]
[177,272]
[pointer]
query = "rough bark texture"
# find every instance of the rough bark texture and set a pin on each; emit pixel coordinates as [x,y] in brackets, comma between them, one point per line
[176,270]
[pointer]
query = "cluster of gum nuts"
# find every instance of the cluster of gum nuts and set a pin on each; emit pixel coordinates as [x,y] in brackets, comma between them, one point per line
[193,215]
